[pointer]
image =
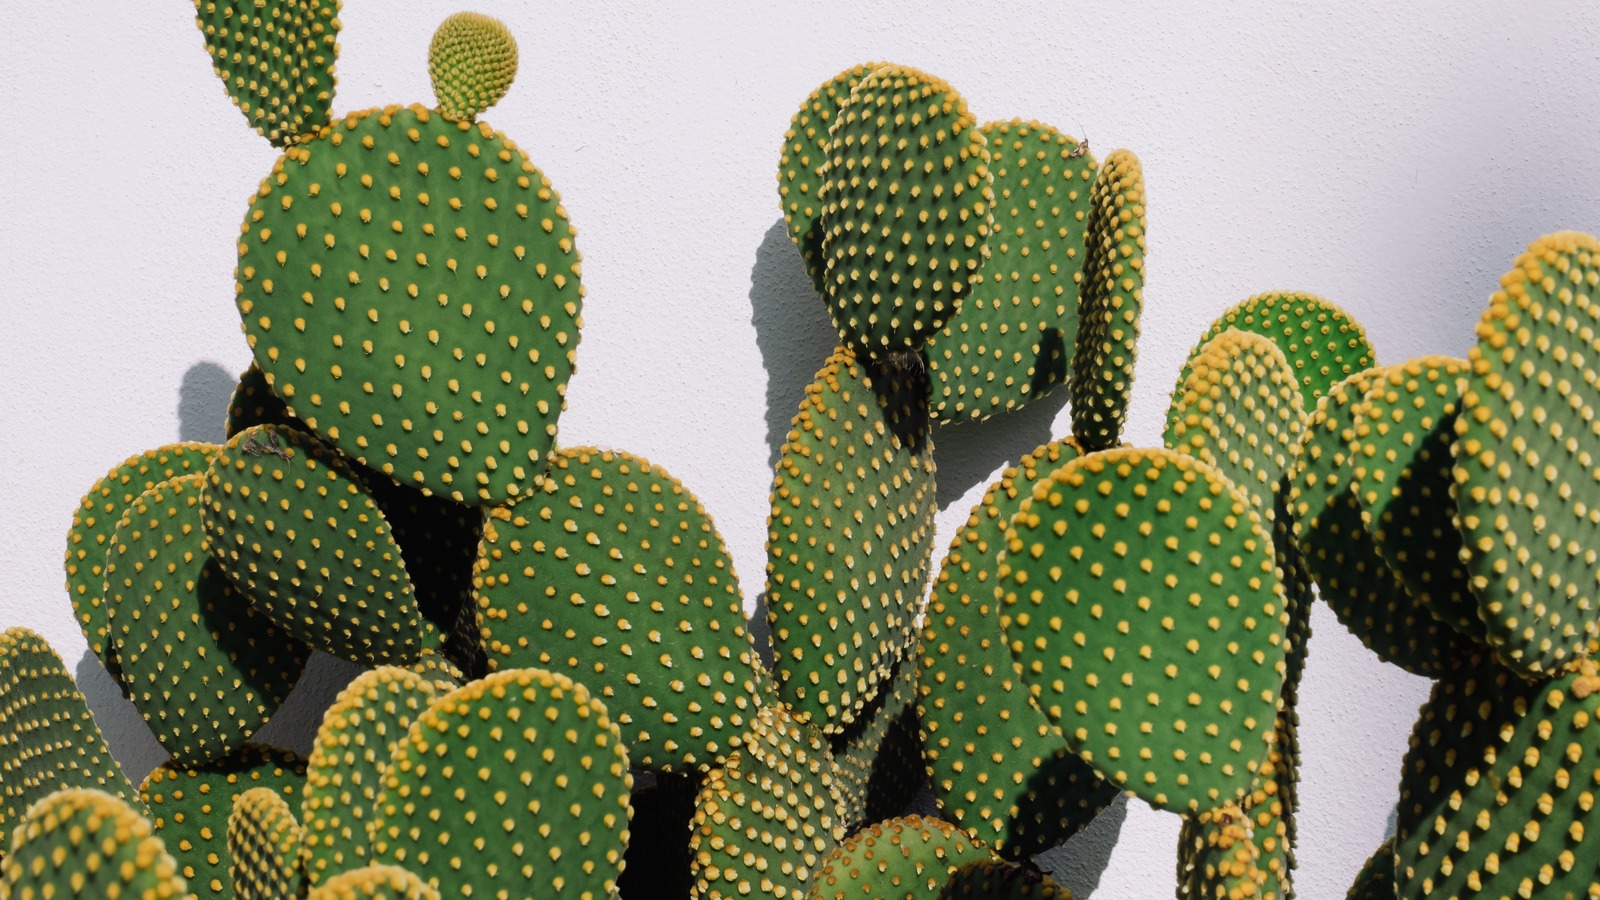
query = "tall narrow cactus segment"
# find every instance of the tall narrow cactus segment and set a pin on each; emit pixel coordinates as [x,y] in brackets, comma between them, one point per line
[1527,480]
[375,883]
[276,59]
[264,843]
[82,842]
[1110,301]
[410,287]
[472,61]
[1012,339]
[1218,859]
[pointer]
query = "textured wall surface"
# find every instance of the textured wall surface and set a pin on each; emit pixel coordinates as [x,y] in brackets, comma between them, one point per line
[1392,157]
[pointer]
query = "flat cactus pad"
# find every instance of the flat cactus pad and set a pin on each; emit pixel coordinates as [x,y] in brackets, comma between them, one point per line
[86,843]
[472,61]
[911,858]
[375,883]
[1111,299]
[276,59]
[264,842]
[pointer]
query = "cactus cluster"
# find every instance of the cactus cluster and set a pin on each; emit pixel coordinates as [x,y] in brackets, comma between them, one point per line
[562,695]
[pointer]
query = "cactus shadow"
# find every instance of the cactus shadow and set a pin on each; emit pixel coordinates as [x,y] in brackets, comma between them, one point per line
[793,332]
[294,726]
[1079,863]
[969,453]
[203,402]
[132,744]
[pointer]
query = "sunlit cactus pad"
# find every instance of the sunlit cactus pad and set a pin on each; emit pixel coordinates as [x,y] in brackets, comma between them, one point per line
[375,883]
[1217,857]
[1110,301]
[276,58]
[409,285]
[472,61]
[911,857]
[264,843]
[86,843]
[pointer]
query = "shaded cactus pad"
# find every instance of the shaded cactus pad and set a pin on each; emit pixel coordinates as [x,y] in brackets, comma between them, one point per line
[375,883]
[264,842]
[472,61]
[1110,302]
[910,857]
[276,59]
[86,843]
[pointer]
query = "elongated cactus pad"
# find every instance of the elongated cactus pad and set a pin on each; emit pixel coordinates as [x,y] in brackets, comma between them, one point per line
[276,59]
[910,857]
[1142,599]
[612,573]
[905,210]
[86,843]
[95,521]
[1000,769]
[848,542]
[516,785]
[1375,881]
[472,61]
[1110,301]
[375,883]
[1012,339]
[1217,858]
[409,285]
[264,842]
[1527,441]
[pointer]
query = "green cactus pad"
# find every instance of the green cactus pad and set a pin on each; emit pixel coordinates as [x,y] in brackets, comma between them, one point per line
[911,857]
[1527,476]
[374,883]
[276,59]
[1012,339]
[1375,881]
[348,762]
[190,807]
[203,668]
[613,573]
[48,738]
[1497,790]
[516,784]
[1142,599]
[848,543]
[294,526]
[1110,301]
[409,285]
[95,521]
[878,759]
[253,403]
[1000,770]
[472,61]
[86,843]
[906,203]
[1239,410]
[264,842]
[1218,858]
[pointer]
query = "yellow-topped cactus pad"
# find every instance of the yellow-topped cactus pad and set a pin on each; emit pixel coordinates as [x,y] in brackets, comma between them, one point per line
[472,61]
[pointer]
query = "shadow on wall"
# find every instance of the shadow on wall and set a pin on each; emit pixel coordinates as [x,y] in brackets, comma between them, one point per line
[203,402]
[1082,860]
[969,453]
[793,332]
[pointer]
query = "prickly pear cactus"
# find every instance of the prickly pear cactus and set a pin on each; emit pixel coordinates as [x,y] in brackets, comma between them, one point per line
[276,58]
[264,843]
[375,883]
[81,842]
[1110,302]
[472,61]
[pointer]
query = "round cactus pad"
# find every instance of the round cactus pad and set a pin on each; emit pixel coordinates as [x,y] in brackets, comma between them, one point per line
[1527,456]
[613,573]
[264,842]
[1142,599]
[911,857]
[1110,300]
[514,785]
[409,284]
[1012,338]
[374,883]
[472,61]
[905,210]
[86,843]
[848,545]
[276,59]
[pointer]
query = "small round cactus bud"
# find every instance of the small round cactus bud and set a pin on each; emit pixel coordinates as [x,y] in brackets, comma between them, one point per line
[472,61]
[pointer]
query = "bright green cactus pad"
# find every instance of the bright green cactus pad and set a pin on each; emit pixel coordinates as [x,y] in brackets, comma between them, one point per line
[514,785]
[1527,441]
[906,203]
[264,842]
[613,573]
[95,521]
[1142,599]
[276,59]
[1239,410]
[409,285]
[295,527]
[1110,300]
[1217,857]
[190,807]
[1497,791]
[910,857]
[203,668]
[48,738]
[472,61]
[375,883]
[1012,339]
[1000,770]
[86,843]
[848,543]
[348,762]
[878,760]
[1375,881]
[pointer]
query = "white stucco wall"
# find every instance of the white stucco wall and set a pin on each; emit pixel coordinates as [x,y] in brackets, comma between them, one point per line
[1392,157]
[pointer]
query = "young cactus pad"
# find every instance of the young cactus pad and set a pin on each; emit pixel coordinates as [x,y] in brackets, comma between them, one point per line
[1110,301]
[409,285]
[276,58]
[86,843]
[472,61]
[264,842]
[375,883]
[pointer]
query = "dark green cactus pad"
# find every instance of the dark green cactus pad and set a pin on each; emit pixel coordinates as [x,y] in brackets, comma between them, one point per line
[1000,769]
[612,572]
[472,61]
[1142,599]
[1110,300]
[48,738]
[1368,597]
[1217,857]
[409,285]
[204,669]
[1375,881]
[910,857]
[803,164]
[878,759]
[1011,340]
[95,521]
[81,842]
[906,203]
[1497,790]
[253,403]
[1239,410]
[516,785]
[264,842]
[374,883]
[848,542]
[348,760]
[994,879]
[276,59]
[296,528]
[1527,479]
[190,807]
